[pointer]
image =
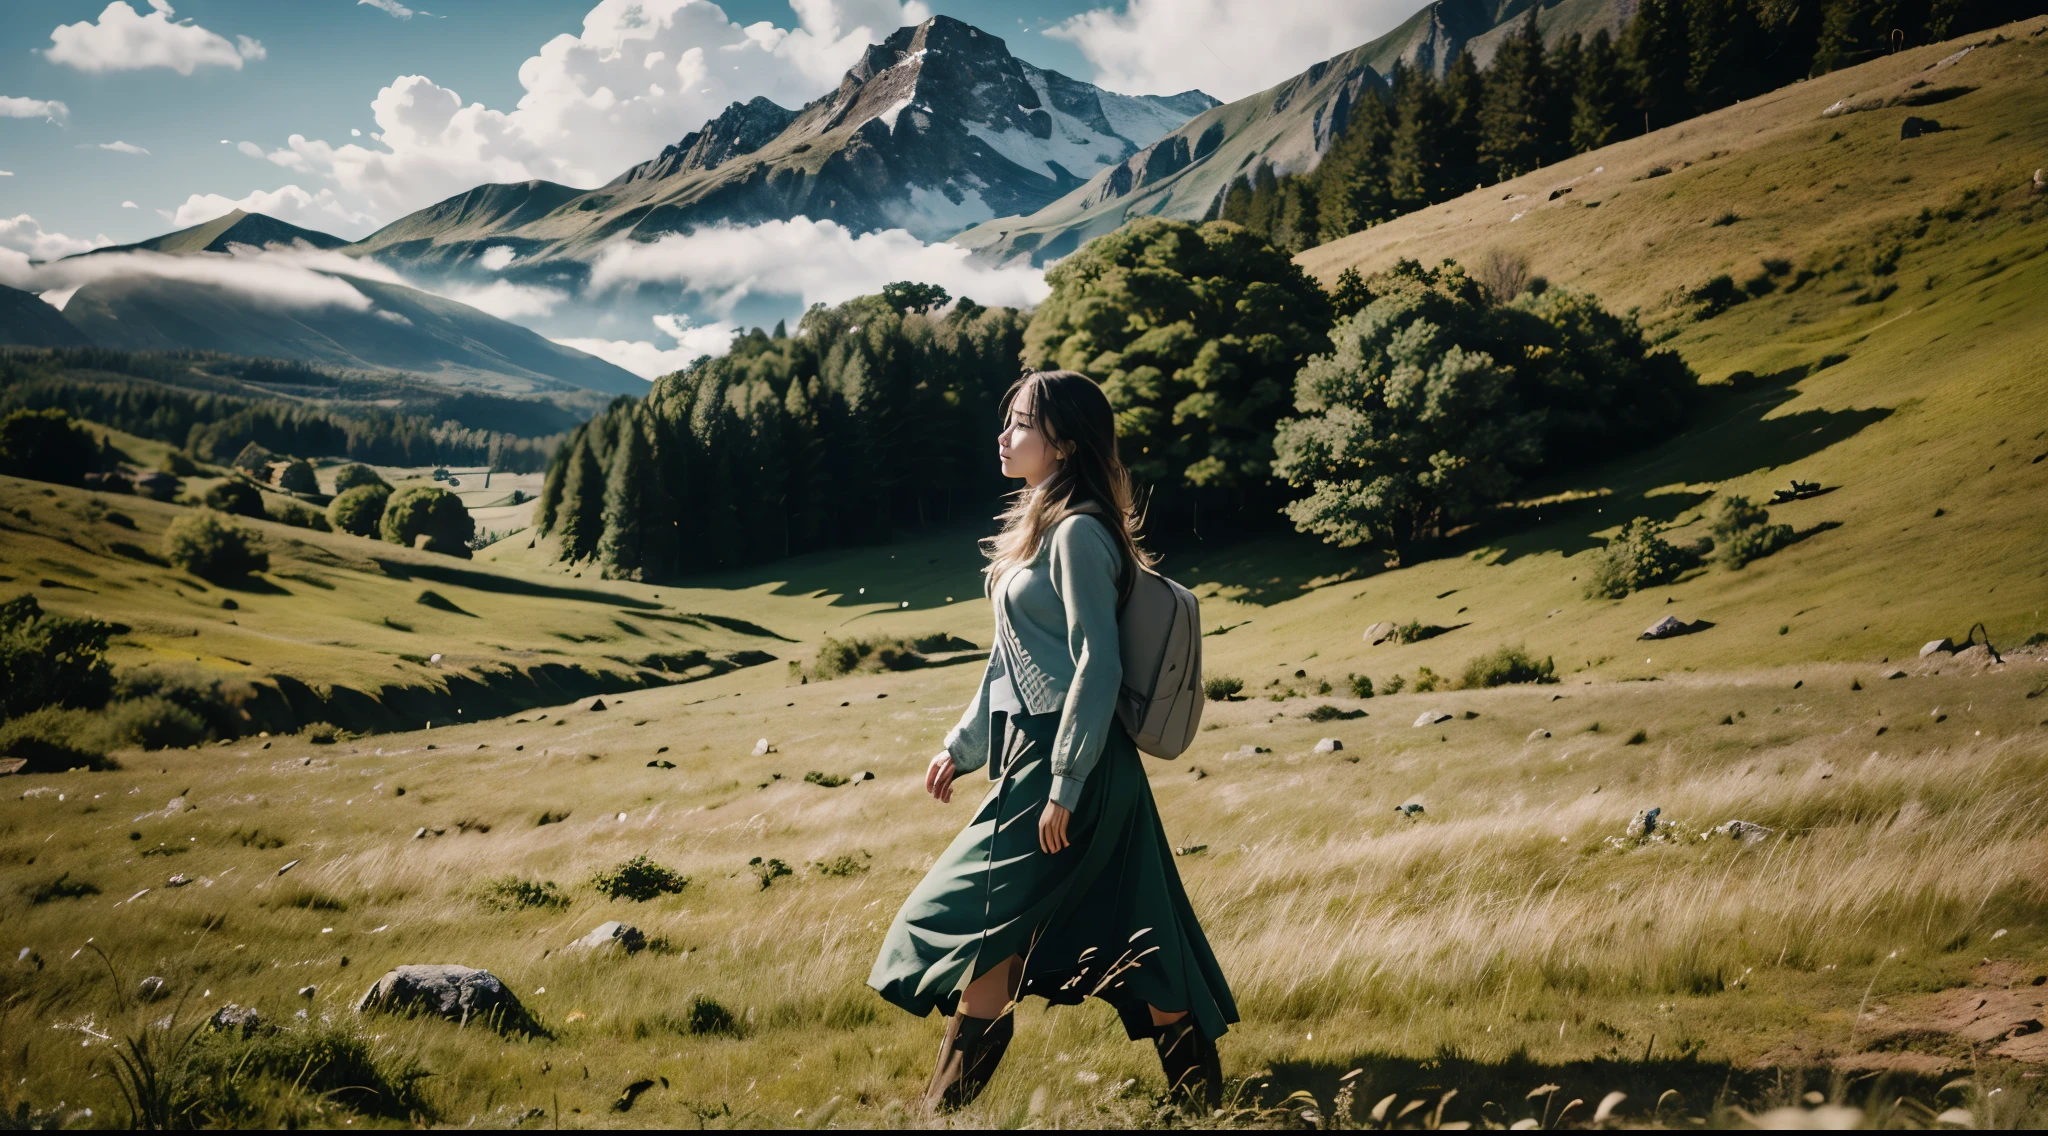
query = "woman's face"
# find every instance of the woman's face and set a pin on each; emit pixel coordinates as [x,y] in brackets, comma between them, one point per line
[1023,448]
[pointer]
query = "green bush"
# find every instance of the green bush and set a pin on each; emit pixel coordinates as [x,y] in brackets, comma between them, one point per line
[359,510]
[768,870]
[508,893]
[639,879]
[1328,713]
[1413,631]
[214,547]
[1426,680]
[838,657]
[429,517]
[50,659]
[355,475]
[178,463]
[1506,665]
[283,1078]
[46,445]
[55,738]
[1361,686]
[151,723]
[237,497]
[708,1016]
[1743,532]
[287,512]
[1635,559]
[1221,688]
[298,477]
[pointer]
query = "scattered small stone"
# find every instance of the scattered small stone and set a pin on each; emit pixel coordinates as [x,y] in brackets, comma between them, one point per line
[435,657]
[178,881]
[612,934]
[1537,734]
[1378,632]
[1251,750]
[308,991]
[150,989]
[1191,850]
[1937,645]
[762,748]
[244,1019]
[1431,718]
[12,765]
[863,775]
[1744,831]
[1469,715]
[659,764]
[1197,771]
[1411,810]
[288,867]
[1664,628]
[1645,822]
[597,704]
[1895,674]
[1329,745]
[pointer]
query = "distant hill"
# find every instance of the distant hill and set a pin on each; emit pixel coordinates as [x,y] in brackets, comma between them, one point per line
[937,127]
[236,227]
[27,321]
[1185,174]
[404,329]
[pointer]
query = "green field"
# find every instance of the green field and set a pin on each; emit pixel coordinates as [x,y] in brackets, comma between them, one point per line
[1509,937]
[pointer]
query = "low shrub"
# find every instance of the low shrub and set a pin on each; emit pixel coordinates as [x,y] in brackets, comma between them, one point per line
[639,879]
[707,1015]
[825,780]
[54,739]
[842,865]
[769,870]
[428,517]
[213,547]
[237,497]
[1332,714]
[355,475]
[839,657]
[178,463]
[1395,685]
[1743,532]
[1426,680]
[286,1078]
[151,723]
[1221,688]
[47,445]
[1638,558]
[50,659]
[1505,665]
[1361,686]
[359,510]
[298,516]
[1414,631]
[510,893]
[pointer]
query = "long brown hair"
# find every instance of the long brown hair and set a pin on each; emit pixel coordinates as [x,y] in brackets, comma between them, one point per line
[1067,408]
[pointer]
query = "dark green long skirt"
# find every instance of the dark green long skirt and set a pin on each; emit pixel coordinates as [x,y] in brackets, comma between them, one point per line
[1104,917]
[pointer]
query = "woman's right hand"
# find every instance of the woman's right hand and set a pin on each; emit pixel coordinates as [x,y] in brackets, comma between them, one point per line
[938,778]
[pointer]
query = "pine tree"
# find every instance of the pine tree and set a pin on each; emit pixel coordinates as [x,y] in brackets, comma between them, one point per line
[1415,162]
[1567,61]
[1658,60]
[1849,30]
[1511,126]
[1464,91]
[1351,190]
[1597,96]
[1721,40]
[581,515]
[621,546]
[1237,202]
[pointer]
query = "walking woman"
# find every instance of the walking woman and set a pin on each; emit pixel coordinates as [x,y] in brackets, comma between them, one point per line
[1063,885]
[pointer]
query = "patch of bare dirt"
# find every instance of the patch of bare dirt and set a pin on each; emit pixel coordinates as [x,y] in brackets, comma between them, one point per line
[2000,1014]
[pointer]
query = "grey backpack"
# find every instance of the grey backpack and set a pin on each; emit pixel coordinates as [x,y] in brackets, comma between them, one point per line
[1159,631]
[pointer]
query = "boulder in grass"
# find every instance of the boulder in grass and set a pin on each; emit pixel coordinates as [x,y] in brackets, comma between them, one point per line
[460,994]
[623,936]
[1431,718]
[762,748]
[1744,831]
[1644,823]
[1378,632]
[239,1019]
[1538,734]
[1329,745]
[1938,645]
[1664,628]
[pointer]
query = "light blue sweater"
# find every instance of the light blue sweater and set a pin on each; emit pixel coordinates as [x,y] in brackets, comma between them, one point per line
[1055,649]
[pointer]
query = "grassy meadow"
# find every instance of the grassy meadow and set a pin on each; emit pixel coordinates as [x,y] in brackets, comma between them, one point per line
[1510,941]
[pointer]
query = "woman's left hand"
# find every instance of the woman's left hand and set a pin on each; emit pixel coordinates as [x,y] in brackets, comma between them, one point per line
[1052,827]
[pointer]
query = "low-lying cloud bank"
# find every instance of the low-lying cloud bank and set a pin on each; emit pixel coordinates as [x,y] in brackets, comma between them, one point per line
[645,359]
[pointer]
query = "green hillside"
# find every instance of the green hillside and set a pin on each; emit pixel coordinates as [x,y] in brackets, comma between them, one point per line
[234,227]
[399,329]
[1875,955]
[26,321]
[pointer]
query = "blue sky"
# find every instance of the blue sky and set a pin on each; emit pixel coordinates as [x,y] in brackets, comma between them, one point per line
[123,120]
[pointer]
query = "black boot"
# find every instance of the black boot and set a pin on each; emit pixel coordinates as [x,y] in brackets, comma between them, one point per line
[968,1056]
[1194,1070]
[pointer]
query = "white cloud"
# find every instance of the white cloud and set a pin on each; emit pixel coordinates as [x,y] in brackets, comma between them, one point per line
[120,147]
[389,7]
[48,109]
[279,278]
[127,40]
[6,173]
[818,261]
[323,210]
[645,359]
[24,234]
[1225,47]
[130,205]
[641,74]
[497,258]
[250,149]
[506,300]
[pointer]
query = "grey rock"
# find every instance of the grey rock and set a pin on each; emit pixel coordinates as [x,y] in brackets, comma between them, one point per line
[243,1019]
[1329,745]
[308,991]
[613,934]
[1645,822]
[178,881]
[1410,810]
[1895,673]
[1937,645]
[457,993]
[762,748]
[1744,831]
[1538,734]
[150,989]
[1378,632]
[1851,105]
[1431,718]
[597,704]
[1664,628]
[863,775]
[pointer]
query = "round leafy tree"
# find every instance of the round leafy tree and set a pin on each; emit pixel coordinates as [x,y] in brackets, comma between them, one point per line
[359,511]
[1195,333]
[237,497]
[430,512]
[48,660]
[298,477]
[214,547]
[46,445]
[355,475]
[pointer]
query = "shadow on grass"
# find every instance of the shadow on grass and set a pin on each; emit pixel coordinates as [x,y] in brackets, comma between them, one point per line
[1660,1091]
[506,585]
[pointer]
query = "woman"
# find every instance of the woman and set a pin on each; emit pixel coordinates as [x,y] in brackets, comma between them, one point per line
[1086,901]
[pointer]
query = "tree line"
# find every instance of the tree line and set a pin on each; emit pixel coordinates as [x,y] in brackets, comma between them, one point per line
[876,413]
[102,386]
[1426,139]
